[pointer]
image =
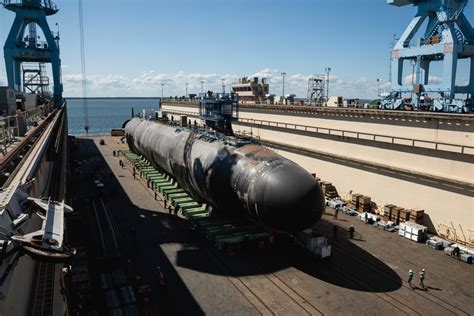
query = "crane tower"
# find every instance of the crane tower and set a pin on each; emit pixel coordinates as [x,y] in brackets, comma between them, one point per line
[448,38]
[21,47]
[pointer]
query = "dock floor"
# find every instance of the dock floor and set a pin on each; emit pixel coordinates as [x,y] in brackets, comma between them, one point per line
[364,276]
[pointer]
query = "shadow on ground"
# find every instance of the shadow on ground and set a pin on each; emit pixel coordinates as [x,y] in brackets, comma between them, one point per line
[139,238]
[143,234]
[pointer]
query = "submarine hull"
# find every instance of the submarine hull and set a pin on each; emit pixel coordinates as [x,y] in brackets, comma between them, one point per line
[232,175]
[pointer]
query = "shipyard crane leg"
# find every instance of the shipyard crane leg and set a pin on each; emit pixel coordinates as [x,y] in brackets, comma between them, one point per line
[448,38]
[21,48]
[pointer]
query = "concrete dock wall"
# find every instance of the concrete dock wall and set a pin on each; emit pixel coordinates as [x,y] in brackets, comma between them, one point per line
[438,153]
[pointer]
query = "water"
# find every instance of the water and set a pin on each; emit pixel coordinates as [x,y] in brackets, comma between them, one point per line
[104,114]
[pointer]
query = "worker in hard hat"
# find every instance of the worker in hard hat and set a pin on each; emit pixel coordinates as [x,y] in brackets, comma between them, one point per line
[410,278]
[422,278]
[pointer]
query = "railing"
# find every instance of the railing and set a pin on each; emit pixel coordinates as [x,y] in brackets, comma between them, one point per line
[36,44]
[9,126]
[347,111]
[43,4]
[462,149]
[366,136]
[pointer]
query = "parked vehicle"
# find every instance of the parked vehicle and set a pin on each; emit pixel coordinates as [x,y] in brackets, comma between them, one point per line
[335,203]
[349,210]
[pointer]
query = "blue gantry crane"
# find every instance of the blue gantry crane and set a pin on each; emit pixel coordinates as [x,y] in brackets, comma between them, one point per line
[21,47]
[447,39]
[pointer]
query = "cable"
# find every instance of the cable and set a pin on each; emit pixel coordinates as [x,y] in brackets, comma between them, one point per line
[83,68]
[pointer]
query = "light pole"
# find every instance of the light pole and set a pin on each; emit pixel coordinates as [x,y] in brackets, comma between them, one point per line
[186,95]
[283,74]
[328,70]
[223,85]
[378,87]
[202,86]
[162,85]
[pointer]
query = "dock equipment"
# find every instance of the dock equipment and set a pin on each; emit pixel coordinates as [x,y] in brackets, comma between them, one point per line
[219,112]
[20,47]
[448,38]
[317,90]
[224,232]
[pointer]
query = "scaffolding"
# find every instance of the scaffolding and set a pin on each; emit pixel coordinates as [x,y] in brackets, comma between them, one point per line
[35,79]
[317,89]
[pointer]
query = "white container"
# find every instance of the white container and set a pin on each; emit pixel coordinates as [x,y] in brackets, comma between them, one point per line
[326,251]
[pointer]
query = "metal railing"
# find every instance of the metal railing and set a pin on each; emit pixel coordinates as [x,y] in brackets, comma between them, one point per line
[365,136]
[346,111]
[9,126]
[462,149]
[43,4]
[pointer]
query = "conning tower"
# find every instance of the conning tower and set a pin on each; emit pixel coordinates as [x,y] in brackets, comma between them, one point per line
[21,48]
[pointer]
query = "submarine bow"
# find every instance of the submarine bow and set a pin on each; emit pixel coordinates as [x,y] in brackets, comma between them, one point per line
[232,175]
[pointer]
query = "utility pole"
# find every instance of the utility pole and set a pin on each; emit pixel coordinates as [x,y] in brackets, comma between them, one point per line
[202,86]
[162,85]
[283,74]
[223,85]
[328,70]
[186,95]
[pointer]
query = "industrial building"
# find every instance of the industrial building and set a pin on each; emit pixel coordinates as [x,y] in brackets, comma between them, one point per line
[251,90]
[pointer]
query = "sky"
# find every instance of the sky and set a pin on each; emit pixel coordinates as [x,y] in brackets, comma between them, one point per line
[131,47]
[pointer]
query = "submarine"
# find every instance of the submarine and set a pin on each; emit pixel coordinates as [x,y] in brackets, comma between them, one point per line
[234,175]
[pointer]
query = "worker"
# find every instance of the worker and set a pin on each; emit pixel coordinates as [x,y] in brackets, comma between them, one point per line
[334,229]
[169,209]
[422,279]
[160,278]
[336,211]
[410,278]
[176,210]
[456,252]
[351,231]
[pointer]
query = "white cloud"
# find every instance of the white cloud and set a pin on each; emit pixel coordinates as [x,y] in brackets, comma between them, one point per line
[431,79]
[149,84]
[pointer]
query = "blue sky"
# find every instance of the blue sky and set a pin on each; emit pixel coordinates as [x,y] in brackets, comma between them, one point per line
[133,46]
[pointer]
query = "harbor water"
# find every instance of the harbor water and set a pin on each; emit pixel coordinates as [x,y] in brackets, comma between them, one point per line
[104,114]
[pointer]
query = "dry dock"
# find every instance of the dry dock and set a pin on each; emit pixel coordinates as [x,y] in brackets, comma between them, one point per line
[366,275]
